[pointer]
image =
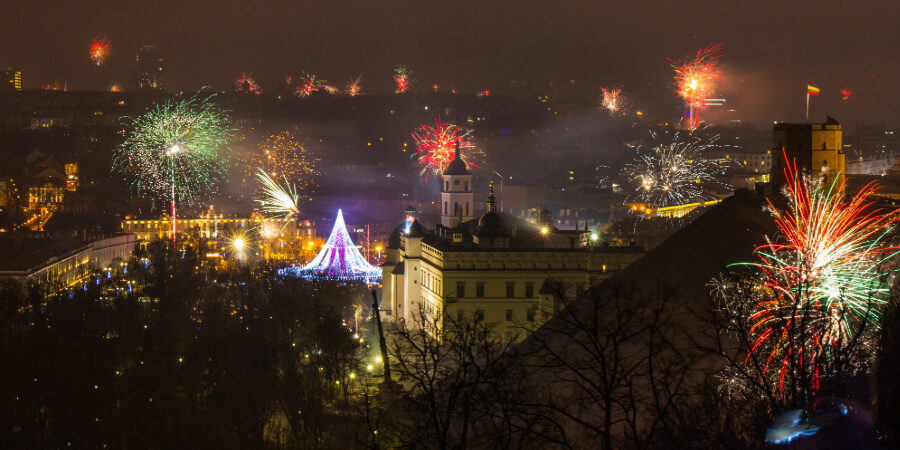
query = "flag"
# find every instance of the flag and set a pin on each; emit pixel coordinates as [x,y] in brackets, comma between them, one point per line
[812,90]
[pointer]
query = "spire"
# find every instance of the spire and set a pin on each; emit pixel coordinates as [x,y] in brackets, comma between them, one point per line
[457,149]
[492,201]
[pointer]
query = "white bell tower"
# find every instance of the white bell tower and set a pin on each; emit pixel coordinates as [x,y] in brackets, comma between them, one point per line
[457,196]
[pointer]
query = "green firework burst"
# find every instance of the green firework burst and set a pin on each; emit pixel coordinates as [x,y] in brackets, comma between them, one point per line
[177,149]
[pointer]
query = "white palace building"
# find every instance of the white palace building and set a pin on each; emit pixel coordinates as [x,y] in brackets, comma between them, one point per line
[496,267]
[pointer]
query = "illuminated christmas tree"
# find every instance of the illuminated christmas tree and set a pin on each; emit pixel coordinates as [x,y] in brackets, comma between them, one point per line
[339,259]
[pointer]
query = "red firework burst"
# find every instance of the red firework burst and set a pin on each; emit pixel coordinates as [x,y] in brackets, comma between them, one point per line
[99,50]
[695,80]
[436,146]
[246,83]
[401,77]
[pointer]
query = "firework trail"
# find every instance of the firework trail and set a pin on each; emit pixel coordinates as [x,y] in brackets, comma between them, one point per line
[309,84]
[436,146]
[280,201]
[695,80]
[353,87]
[402,79]
[822,286]
[613,100]
[675,172]
[99,50]
[179,144]
[245,83]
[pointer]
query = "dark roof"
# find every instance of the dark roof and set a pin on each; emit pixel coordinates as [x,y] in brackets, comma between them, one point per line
[415,230]
[457,167]
[400,269]
[394,239]
[491,224]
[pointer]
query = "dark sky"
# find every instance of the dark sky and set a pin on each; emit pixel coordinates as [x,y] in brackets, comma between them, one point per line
[771,48]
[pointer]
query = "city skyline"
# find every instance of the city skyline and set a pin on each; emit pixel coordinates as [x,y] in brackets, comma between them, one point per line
[770,51]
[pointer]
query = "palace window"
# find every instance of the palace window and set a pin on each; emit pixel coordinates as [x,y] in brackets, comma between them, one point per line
[509,315]
[479,290]
[510,290]
[460,289]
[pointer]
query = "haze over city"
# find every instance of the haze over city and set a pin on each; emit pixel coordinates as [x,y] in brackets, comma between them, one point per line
[425,225]
[771,49]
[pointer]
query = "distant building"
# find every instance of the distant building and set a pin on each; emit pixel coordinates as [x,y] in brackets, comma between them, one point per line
[496,268]
[149,69]
[10,79]
[65,256]
[816,148]
[279,239]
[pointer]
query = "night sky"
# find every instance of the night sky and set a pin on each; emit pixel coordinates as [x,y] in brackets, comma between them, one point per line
[772,49]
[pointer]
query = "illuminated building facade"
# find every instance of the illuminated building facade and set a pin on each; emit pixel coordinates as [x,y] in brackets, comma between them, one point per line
[149,69]
[66,258]
[277,238]
[496,268]
[11,79]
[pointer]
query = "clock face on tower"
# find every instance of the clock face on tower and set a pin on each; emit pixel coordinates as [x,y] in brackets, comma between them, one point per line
[456,182]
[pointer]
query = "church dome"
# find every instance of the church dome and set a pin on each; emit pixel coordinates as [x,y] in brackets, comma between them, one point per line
[491,224]
[457,166]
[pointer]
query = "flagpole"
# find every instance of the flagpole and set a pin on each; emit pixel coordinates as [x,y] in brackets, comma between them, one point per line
[807,105]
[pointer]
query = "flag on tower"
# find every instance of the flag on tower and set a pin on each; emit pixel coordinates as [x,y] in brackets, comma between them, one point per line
[812,90]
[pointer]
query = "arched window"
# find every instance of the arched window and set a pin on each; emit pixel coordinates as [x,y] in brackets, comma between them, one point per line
[447,186]
[455,208]
[467,186]
[445,208]
[467,208]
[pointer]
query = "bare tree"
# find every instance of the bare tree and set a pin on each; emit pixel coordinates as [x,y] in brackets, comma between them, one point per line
[615,367]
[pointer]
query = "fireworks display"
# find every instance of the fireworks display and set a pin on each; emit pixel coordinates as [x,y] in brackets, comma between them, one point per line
[822,285]
[114,87]
[436,146]
[245,83]
[675,172]
[309,84]
[353,87]
[279,155]
[846,94]
[99,50]
[613,100]
[695,81]
[339,259]
[401,78]
[280,200]
[176,151]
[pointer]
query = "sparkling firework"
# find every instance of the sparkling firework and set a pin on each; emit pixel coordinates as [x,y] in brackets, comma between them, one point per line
[822,286]
[309,84]
[99,50]
[436,146]
[613,100]
[279,155]
[179,143]
[695,80]
[846,93]
[353,87]
[245,83]
[114,87]
[401,77]
[675,172]
[280,200]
